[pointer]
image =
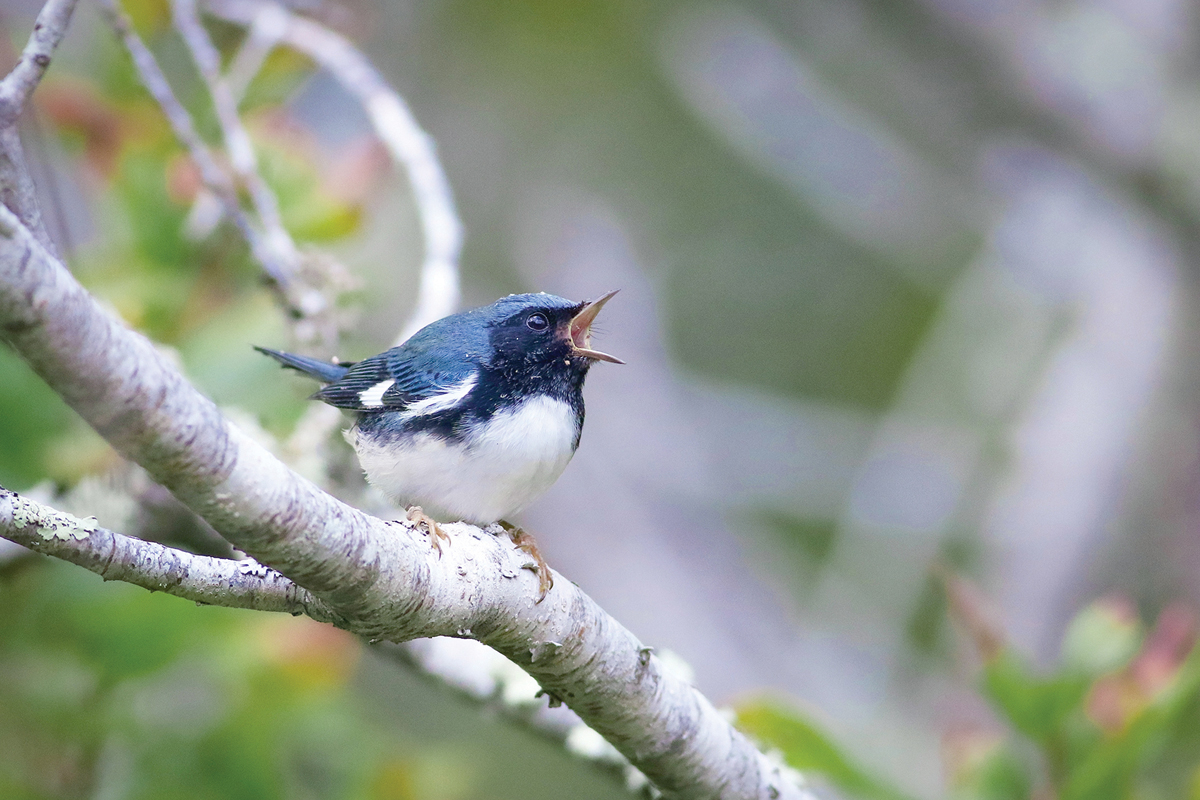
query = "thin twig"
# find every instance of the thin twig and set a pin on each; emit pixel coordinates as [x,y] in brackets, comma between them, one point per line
[17,190]
[409,146]
[264,33]
[276,265]
[48,31]
[237,140]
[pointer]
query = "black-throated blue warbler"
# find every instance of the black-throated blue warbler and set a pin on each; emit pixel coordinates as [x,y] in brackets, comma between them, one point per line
[475,415]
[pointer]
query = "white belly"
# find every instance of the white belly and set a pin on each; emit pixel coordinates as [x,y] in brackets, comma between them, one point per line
[494,473]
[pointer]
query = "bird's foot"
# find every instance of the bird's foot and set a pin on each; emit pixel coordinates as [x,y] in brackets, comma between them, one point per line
[526,544]
[421,519]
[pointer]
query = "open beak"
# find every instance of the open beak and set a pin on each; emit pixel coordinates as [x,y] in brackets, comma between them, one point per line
[581,331]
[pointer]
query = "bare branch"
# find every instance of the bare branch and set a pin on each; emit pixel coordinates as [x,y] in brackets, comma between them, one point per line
[17,191]
[268,27]
[48,31]
[480,675]
[383,579]
[16,186]
[493,679]
[237,140]
[396,127]
[115,557]
[277,264]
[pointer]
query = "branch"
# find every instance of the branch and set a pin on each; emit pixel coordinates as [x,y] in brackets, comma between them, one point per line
[478,673]
[481,676]
[409,146]
[114,557]
[268,26]
[382,578]
[48,31]
[470,669]
[280,266]
[16,186]
[237,140]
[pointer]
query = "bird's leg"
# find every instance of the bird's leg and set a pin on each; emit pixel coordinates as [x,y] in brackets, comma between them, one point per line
[420,518]
[525,543]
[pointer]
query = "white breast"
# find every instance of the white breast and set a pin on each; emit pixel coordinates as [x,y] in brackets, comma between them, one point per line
[498,470]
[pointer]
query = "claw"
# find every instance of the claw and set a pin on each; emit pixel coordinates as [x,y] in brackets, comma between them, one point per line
[526,544]
[420,518]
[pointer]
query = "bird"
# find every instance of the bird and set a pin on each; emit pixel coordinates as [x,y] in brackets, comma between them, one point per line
[474,416]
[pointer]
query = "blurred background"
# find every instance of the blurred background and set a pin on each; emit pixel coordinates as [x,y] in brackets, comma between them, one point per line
[908,290]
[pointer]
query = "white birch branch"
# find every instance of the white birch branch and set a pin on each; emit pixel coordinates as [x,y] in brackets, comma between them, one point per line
[476,673]
[495,681]
[409,146]
[383,578]
[116,557]
[48,31]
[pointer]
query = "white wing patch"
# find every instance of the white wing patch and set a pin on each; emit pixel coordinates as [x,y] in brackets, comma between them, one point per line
[373,397]
[447,399]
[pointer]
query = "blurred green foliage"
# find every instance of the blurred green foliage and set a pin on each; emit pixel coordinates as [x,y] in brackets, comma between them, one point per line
[808,749]
[1117,719]
[35,416]
[111,691]
[107,690]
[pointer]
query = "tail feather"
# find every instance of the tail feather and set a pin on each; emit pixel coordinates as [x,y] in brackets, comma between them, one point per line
[313,367]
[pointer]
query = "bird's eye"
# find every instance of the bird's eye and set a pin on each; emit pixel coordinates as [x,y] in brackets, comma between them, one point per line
[537,322]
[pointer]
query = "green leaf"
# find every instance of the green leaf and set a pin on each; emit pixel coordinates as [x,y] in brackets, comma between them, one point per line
[808,749]
[32,414]
[1037,707]
[998,775]
[1108,772]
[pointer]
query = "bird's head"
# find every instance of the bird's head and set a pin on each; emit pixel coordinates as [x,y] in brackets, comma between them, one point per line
[543,328]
